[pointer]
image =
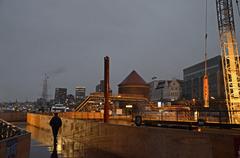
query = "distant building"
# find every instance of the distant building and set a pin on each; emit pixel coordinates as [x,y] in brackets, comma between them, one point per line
[153,85]
[70,101]
[175,89]
[100,87]
[166,90]
[40,102]
[60,95]
[193,80]
[80,93]
[134,84]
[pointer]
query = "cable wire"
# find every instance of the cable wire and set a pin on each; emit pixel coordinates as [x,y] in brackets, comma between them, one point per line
[238,8]
[206,36]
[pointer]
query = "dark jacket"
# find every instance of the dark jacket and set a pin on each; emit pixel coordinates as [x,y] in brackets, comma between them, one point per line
[55,123]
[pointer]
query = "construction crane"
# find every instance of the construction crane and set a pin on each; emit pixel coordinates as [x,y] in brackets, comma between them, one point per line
[230,58]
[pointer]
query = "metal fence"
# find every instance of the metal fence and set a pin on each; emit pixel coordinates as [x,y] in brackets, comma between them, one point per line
[8,130]
[185,115]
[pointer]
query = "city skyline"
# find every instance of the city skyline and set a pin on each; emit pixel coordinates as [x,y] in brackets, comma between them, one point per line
[69,39]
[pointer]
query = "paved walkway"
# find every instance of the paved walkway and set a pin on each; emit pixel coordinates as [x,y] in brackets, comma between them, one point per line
[68,147]
[39,150]
[39,147]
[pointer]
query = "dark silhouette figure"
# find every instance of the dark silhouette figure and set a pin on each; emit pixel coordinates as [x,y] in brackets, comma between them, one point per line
[55,123]
[54,152]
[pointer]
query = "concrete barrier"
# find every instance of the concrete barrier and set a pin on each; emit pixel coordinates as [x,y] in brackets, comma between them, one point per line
[90,116]
[14,142]
[13,116]
[18,146]
[82,115]
[107,140]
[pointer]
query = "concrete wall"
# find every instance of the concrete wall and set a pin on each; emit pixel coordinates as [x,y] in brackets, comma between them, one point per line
[82,115]
[92,116]
[13,116]
[90,138]
[17,146]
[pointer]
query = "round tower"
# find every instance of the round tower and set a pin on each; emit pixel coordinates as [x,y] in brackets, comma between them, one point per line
[134,84]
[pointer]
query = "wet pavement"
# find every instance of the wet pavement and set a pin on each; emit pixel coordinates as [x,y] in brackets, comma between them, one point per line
[39,150]
[41,146]
[71,144]
[73,141]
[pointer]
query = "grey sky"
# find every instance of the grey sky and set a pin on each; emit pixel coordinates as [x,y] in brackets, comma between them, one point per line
[69,38]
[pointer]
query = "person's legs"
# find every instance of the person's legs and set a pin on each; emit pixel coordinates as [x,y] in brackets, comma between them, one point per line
[55,133]
[55,139]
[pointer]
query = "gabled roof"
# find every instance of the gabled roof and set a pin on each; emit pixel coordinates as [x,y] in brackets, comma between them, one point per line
[133,79]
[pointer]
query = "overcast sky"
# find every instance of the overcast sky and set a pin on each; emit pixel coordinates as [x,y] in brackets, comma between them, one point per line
[68,39]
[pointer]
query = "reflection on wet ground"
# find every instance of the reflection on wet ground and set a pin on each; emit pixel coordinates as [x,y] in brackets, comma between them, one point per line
[42,143]
[39,150]
[92,139]
[68,145]
[64,149]
[72,141]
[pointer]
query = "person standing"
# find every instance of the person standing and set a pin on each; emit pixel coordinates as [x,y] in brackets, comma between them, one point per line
[55,123]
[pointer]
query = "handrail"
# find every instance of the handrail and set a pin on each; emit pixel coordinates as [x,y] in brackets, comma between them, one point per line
[8,130]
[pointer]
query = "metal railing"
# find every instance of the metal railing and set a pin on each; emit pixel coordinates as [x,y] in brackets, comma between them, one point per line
[187,119]
[211,116]
[8,130]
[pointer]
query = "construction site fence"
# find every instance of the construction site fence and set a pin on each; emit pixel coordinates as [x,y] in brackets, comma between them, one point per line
[178,115]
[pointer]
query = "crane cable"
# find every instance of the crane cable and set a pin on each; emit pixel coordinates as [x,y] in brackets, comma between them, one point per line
[206,36]
[238,8]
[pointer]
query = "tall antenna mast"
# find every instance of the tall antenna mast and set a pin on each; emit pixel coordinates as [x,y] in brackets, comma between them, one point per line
[45,88]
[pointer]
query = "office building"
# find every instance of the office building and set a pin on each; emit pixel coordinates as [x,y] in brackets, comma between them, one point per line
[80,93]
[60,95]
[193,80]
